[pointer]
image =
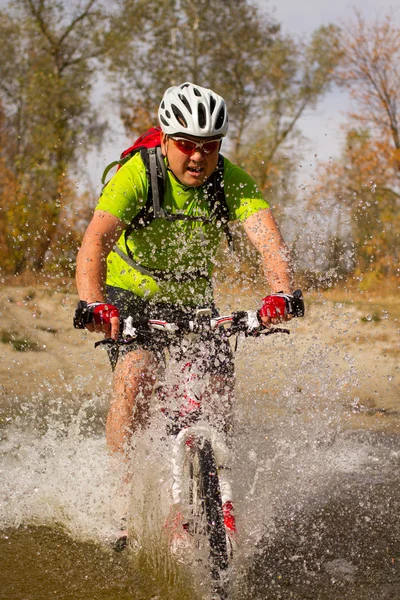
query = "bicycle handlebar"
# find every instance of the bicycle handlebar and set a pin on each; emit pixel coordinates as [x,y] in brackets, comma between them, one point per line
[246,322]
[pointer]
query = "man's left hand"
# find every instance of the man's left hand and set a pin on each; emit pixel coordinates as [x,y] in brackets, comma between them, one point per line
[280,307]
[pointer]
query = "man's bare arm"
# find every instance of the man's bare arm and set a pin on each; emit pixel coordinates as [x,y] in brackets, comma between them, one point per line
[102,233]
[263,232]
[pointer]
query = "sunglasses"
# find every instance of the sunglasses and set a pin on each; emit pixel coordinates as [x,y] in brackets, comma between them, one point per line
[188,147]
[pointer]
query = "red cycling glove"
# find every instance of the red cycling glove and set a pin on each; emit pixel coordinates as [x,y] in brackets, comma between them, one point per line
[102,313]
[274,306]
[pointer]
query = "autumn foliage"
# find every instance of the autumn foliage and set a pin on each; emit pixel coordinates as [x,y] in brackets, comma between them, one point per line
[46,120]
[364,183]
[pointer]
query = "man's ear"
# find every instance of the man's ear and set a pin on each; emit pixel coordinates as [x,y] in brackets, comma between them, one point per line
[164,143]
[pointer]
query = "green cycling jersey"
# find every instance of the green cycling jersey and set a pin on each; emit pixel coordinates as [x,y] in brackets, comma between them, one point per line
[178,246]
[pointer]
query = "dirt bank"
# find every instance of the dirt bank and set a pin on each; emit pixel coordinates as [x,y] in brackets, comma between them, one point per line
[42,355]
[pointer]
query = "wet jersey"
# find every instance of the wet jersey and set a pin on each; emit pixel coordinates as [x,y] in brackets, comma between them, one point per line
[178,246]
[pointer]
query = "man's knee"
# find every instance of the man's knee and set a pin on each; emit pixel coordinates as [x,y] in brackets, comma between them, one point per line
[135,373]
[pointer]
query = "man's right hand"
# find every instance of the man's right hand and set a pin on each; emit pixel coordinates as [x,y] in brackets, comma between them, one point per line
[97,316]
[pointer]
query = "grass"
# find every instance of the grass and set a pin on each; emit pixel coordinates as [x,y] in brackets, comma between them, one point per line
[47,329]
[20,344]
[374,316]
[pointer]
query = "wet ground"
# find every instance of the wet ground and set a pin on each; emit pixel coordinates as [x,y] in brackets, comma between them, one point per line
[344,544]
[39,563]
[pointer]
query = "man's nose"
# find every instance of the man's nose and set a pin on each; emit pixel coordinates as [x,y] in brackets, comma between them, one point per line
[198,153]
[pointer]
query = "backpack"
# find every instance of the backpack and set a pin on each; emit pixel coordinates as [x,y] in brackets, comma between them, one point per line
[149,147]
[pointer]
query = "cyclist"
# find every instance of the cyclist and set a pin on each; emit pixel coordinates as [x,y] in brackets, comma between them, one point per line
[172,260]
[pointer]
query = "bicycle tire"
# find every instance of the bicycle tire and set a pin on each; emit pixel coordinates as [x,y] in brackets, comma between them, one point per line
[207,506]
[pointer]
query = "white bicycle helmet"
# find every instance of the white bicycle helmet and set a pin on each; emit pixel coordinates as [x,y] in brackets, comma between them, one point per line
[193,110]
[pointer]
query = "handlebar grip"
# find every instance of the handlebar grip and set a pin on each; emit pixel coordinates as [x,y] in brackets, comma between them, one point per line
[297,308]
[81,315]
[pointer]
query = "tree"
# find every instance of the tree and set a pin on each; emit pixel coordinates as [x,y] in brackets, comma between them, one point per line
[46,75]
[7,194]
[371,71]
[365,181]
[267,79]
[361,186]
[169,41]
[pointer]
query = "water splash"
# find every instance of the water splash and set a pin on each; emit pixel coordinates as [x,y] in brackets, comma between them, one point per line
[293,446]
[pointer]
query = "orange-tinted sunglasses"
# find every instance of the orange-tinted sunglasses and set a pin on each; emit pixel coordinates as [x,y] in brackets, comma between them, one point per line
[188,147]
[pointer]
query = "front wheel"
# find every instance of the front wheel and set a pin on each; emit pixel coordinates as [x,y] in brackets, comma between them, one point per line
[208,519]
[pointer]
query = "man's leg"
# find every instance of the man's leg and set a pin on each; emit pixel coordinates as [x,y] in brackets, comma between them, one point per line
[134,379]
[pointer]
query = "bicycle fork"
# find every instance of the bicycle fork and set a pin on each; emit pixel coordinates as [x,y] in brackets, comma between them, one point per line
[183,442]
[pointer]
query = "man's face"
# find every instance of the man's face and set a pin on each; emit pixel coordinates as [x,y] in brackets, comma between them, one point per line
[191,159]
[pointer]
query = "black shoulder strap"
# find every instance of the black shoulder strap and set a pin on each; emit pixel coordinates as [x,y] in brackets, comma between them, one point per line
[216,193]
[156,175]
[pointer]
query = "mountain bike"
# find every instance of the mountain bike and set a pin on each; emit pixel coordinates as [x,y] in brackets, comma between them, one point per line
[200,491]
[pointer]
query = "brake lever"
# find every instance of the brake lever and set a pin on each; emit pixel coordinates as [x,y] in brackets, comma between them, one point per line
[112,342]
[105,342]
[266,331]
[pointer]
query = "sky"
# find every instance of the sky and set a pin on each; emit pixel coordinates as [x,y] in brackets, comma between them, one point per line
[303,17]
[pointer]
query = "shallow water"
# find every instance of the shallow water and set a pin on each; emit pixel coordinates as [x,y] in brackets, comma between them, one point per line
[342,541]
[44,562]
[317,498]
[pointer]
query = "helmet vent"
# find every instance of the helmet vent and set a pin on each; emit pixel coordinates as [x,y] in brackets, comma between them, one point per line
[202,115]
[220,119]
[179,116]
[168,114]
[185,102]
[197,92]
[163,121]
[212,104]
[162,104]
